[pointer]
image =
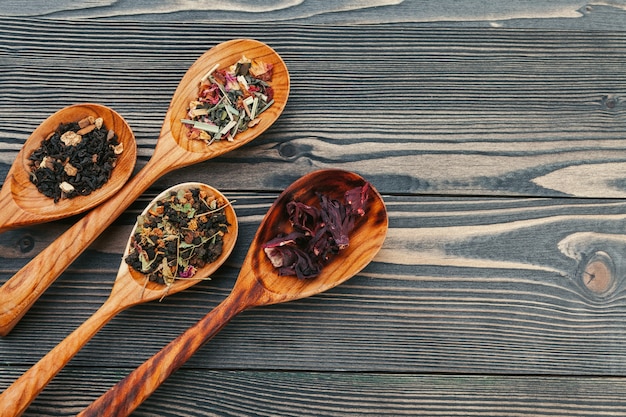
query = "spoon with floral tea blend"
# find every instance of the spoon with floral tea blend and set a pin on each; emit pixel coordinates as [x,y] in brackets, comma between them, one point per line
[259,284]
[21,201]
[130,288]
[174,149]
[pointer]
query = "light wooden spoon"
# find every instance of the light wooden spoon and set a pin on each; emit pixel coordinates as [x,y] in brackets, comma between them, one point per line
[22,204]
[258,284]
[173,150]
[130,288]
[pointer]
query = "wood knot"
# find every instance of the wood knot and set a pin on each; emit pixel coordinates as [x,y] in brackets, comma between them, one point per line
[26,244]
[599,274]
[609,102]
[288,151]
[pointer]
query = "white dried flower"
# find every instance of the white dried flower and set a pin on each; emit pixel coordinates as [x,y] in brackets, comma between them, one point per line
[47,162]
[66,187]
[71,138]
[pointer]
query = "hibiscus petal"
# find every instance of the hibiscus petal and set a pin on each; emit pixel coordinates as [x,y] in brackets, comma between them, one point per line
[303,217]
[318,235]
[356,198]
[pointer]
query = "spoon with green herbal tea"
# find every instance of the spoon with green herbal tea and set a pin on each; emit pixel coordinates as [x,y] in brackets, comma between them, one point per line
[174,149]
[131,288]
[21,201]
[259,284]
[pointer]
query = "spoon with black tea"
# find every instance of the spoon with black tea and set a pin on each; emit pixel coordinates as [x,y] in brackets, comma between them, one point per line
[259,284]
[130,288]
[173,150]
[23,204]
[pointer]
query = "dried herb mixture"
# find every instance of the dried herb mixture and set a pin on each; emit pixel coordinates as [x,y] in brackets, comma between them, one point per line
[179,234]
[318,233]
[75,160]
[230,100]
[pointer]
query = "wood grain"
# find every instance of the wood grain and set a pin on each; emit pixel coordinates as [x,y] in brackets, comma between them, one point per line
[432,111]
[485,279]
[462,286]
[535,13]
[260,284]
[265,393]
[495,134]
[173,150]
[130,288]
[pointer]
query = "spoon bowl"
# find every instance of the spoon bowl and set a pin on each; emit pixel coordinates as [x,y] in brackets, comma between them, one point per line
[258,284]
[225,55]
[173,150]
[150,290]
[365,239]
[130,288]
[23,204]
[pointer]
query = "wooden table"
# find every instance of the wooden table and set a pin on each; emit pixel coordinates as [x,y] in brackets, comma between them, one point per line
[497,136]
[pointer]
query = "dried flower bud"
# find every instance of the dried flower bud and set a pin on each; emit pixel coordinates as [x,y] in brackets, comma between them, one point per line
[70,170]
[70,138]
[66,187]
[47,162]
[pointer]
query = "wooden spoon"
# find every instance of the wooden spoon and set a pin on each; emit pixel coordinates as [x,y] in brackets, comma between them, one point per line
[258,284]
[130,288]
[173,150]
[22,204]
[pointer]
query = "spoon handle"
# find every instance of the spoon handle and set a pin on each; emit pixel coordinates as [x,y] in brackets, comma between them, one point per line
[11,215]
[17,397]
[21,291]
[129,393]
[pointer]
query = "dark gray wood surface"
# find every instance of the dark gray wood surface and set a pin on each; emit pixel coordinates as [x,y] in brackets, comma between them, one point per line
[496,134]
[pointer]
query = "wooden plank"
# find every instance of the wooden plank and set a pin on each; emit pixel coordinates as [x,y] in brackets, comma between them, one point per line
[497,305]
[474,286]
[266,393]
[432,111]
[555,14]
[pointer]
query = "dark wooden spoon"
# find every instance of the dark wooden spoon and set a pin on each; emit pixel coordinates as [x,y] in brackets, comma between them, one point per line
[258,284]
[22,204]
[130,288]
[173,150]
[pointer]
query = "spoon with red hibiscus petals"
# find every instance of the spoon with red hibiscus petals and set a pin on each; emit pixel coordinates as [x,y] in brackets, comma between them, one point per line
[174,149]
[130,288]
[23,204]
[259,284]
